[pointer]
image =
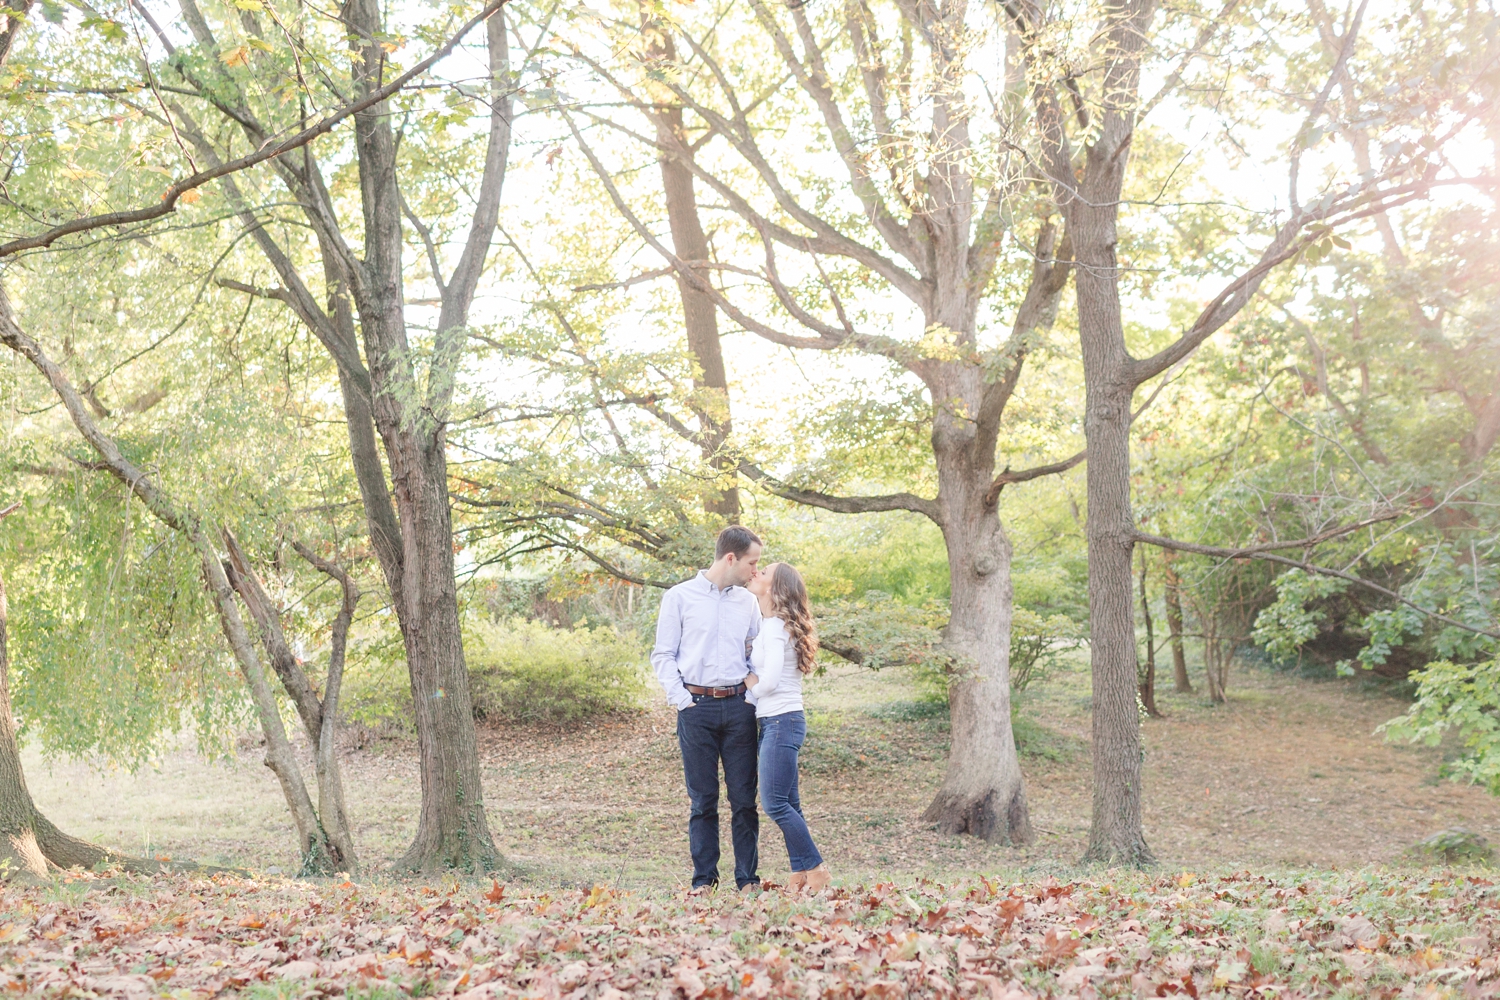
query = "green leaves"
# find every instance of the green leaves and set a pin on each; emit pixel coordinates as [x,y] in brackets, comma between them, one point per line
[1288,624]
[1464,698]
[1323,241]
[110,30]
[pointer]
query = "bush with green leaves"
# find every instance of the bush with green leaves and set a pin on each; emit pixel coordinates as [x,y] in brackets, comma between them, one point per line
[1037,642]
[1293,619]
[879,631]
[1465,698]
[520,670]
[527,671]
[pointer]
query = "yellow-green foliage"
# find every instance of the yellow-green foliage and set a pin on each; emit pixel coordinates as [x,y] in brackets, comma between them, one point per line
[527,671]
[519,671]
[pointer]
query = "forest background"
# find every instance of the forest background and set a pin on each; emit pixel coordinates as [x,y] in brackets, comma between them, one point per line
[1162,334]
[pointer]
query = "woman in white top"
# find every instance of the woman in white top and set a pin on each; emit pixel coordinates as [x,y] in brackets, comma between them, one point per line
[785,649]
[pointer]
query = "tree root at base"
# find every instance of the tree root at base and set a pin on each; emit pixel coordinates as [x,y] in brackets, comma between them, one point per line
[982,815]
[34,850]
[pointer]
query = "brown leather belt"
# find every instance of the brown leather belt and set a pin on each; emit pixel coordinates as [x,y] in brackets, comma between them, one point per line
[716,692]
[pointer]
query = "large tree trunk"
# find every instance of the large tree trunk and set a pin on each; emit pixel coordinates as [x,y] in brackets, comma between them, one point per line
[700,315]
[1115,836]
[1110,381]
[983,793]
[452,830]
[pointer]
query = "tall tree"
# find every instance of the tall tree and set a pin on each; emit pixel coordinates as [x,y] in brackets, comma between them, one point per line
[396,387]
[319,850]
[389,390]
[700,316]
[935,209]
[1091,182]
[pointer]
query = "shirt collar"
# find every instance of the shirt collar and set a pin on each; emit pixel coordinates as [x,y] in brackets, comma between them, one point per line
[709,586]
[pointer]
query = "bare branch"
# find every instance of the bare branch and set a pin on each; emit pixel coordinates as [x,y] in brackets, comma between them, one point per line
[1206,33]
[872,344]
[842,505]
[458,295]
[1299,142]
[1007,478]
[813,77]
[608,286]
[246,583]
[1290,240]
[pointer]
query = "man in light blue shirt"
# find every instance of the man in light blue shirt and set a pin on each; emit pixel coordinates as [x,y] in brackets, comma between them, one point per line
[703,633]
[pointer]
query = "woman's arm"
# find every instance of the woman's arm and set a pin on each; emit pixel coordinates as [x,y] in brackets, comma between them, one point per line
[773,652]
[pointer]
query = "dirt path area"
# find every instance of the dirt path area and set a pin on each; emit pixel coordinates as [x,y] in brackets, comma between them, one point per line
[1289,773]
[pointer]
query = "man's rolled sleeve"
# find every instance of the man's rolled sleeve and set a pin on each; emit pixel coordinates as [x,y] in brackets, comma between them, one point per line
[664,654]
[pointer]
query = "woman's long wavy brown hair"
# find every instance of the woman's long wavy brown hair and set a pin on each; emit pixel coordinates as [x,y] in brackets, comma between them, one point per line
[789,602]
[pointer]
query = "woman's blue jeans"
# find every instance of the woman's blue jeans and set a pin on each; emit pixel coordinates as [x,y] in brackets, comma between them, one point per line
[781,738]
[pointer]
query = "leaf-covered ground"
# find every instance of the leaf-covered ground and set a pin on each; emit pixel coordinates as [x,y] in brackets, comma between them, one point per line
[1373,933]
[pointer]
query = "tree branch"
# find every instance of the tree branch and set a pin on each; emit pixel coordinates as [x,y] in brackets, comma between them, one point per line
[842,505]
[1007,478]
[246,583]
[168,203]
[1259,552]
[458,294]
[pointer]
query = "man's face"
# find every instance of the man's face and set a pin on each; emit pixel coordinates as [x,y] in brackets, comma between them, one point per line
[742,568]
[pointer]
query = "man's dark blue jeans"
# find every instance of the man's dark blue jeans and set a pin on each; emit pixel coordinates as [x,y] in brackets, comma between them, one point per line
[709,731]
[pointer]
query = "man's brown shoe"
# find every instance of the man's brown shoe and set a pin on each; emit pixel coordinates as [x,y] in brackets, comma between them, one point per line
[795,882]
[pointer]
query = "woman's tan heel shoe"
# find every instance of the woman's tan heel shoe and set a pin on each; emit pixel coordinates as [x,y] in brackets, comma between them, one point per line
[795,882]
[816,879]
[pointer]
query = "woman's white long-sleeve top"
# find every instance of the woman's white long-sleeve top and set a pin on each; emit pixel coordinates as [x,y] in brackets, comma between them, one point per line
[774,660]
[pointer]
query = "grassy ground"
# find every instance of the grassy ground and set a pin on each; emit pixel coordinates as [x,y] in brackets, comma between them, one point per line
[1288,774]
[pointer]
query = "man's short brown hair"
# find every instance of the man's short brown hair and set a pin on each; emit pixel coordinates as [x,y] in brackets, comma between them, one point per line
[735,539]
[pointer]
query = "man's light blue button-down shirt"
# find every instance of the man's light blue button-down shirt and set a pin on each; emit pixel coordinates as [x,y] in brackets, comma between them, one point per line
[702,634]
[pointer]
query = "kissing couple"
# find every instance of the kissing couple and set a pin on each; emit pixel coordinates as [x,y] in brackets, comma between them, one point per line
[732,644]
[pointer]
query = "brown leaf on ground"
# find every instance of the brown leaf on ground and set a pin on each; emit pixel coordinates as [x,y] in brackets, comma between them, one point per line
[1058,944]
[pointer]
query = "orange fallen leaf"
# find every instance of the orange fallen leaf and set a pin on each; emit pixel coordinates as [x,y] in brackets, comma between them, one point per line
[1058,945]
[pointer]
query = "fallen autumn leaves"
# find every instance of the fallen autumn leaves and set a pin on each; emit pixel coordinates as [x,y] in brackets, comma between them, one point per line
[1383,934]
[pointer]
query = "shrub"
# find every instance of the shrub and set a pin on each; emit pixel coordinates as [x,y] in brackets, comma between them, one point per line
[526,671]
[879,631]
[1036,643]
